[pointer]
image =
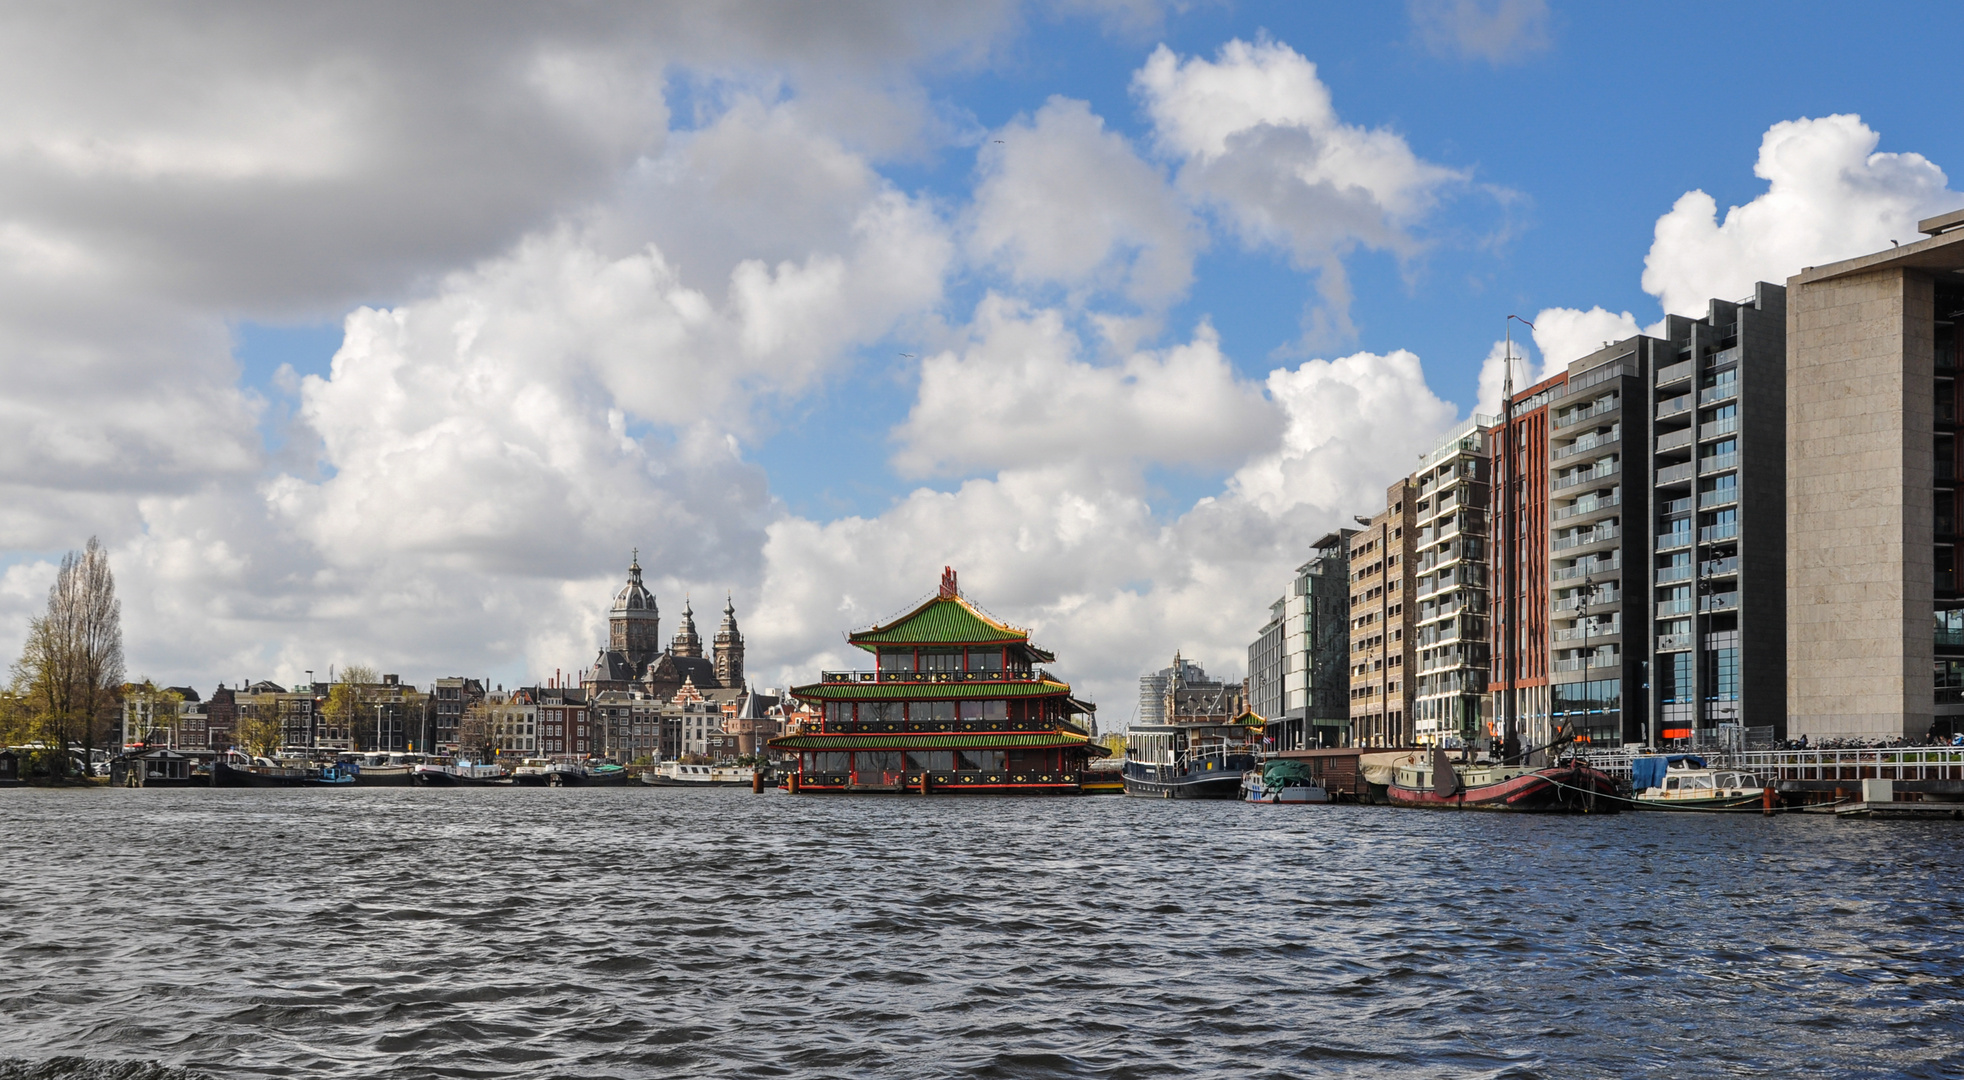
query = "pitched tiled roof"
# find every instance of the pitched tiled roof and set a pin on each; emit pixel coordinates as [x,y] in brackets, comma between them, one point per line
[941,621]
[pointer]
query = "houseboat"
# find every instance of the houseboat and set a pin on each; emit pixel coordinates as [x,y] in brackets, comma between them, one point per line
[1206,739]
[956,703]
[677,774]
[1434,781]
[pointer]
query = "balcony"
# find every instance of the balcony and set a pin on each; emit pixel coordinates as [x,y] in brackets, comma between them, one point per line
[1581,664]
[1721,496]
[1676,474]
[1604,598]
[1724,391]
[1588,569]
[1591,442]
[1726,357]
[1673,573]
[1676,372]
[1668,608]
[1725,601]
[1587,634]
[1725,531]
[1713,430]
[1607,467]
[932,676]
[1588,505]
[1676,406]
[1717,463]
[1676,538]
[1719,567]
[1588,536]
[1673,440]
[1672,642]
[1601,408]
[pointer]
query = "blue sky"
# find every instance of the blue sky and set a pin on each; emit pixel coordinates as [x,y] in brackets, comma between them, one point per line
[643,276]
[1574,149]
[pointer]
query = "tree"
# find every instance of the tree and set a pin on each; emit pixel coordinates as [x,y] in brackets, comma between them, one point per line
[349,699]
[475,734]
[156,708]
[259,734]
[71,666]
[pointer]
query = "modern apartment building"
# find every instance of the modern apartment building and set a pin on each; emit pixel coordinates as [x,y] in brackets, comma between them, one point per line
[1875,621]
[1382,663]
[1718,472]
[1298,667]
[1599,543]
[1521,605]
[1447,625]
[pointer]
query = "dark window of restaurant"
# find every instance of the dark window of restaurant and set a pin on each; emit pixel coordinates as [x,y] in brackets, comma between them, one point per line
[979,760]
[875,761]
[831,761]
[985,710]
[898,661]
[941,660]
[931,760]
[985,659]
[939,712]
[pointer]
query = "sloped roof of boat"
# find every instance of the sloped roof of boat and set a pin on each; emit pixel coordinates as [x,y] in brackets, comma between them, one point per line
[946,619]
[927,691]
[1033,740]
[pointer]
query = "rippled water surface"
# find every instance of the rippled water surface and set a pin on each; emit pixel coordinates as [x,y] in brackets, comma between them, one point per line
[656,932]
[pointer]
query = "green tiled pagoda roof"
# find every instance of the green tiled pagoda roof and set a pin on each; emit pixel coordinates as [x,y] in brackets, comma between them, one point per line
[941,621]
[926,691]
[1006,741]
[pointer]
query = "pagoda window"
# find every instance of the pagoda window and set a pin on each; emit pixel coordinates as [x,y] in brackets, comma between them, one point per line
[930,760]
[941,712]
[832,761]
[939,660]
[897,662]
[985,660]
[876,761]
[979,760]
[879,710]
[985,710]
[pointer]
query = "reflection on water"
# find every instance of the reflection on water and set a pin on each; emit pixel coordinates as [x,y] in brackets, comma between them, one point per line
[656,932]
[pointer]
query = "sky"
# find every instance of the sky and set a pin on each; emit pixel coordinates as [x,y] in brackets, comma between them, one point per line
[383,334]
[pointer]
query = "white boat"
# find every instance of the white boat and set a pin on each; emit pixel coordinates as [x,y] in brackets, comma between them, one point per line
[1684,782]
[532,772]
[676,774]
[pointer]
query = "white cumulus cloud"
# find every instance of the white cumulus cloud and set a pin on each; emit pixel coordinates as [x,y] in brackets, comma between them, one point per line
[1829,195]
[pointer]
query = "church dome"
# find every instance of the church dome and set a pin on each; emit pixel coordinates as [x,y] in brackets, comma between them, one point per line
[634,596]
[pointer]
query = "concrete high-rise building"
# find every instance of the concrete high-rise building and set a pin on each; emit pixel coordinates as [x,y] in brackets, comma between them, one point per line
[1381,590]
[1298,668]
[1448,626]
[1719,479]
[1875,619]
[1521,604]
[1599,543]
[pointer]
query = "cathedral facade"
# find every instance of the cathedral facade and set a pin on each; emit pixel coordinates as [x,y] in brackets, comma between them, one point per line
[634,660]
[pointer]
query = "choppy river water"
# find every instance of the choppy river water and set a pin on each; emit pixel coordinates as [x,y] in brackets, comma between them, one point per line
[654,932]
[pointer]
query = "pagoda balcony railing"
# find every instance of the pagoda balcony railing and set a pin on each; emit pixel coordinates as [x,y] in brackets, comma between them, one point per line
[942,727]
[1012,675]
[911,778]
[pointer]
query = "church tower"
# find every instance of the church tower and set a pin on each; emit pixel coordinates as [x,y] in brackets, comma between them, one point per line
[634,626]
[686,642]
[729,649]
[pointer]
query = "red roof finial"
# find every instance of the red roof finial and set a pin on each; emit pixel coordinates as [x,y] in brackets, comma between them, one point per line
[947,583]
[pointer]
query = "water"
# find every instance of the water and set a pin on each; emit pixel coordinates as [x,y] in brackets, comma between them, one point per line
[655,932]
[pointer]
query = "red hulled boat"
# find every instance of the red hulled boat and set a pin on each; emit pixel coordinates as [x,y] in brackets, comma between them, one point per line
[1438,783]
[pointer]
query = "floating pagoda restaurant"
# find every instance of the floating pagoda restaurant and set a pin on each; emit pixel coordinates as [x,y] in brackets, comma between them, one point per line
[955,703]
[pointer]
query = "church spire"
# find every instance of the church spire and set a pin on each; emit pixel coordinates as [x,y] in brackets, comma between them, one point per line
[729,649]
[687,642]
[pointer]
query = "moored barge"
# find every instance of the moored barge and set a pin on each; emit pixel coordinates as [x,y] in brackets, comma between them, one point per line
[1438,783]
[956,704]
